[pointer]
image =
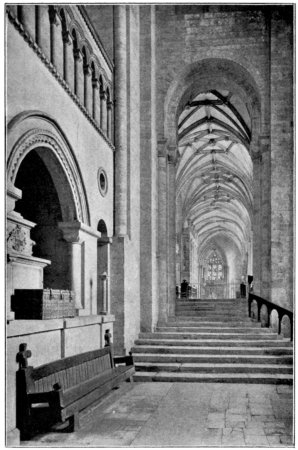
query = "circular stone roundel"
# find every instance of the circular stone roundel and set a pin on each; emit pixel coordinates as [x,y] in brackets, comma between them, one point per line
[102,181]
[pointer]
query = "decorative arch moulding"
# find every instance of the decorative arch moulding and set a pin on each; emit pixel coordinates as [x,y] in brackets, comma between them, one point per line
[37,50]
[33,139]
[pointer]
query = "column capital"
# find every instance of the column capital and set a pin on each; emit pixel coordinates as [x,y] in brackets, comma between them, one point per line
[74,231]
[103,94]
[77,54]
[87,69]
[53,13]
[172,158]
[104,241]
[256,156]
[161,147]
[66,37]
[95,83]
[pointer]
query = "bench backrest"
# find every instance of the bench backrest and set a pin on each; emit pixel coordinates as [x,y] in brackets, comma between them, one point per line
[69,371]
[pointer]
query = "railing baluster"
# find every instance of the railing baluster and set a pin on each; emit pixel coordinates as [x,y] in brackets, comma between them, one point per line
[270,306]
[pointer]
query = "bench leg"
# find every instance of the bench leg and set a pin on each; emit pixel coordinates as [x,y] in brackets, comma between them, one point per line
[75,421]
[131,378]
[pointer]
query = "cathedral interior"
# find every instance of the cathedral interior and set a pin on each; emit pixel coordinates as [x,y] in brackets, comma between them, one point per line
[150,163]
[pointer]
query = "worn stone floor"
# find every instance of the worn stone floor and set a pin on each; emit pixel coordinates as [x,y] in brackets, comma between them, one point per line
[185,415]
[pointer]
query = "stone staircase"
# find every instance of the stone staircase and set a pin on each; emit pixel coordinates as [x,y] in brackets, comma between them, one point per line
[213,341]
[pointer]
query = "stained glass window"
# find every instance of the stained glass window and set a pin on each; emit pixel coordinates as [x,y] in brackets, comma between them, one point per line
[215,267]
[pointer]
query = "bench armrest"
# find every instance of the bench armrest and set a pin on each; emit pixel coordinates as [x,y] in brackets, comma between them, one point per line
[53,398]
[128,360]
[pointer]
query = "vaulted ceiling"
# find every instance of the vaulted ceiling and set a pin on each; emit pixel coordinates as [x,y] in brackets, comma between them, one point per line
[214,171]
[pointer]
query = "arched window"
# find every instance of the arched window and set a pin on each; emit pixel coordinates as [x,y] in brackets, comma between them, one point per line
[20,13]
[94,89]
[86,73]
[215,270]
[76,57]
[66,41]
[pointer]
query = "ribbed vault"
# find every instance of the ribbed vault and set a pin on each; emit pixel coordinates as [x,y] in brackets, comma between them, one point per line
[214,178]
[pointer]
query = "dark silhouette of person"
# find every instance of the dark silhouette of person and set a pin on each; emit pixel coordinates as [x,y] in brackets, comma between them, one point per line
[184,288]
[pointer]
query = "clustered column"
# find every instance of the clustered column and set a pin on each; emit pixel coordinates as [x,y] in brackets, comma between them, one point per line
[171,230]
[162,228]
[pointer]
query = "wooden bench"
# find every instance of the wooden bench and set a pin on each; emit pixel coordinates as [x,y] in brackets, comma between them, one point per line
[57,391]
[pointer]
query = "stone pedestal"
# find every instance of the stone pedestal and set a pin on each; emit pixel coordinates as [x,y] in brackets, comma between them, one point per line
[24,271]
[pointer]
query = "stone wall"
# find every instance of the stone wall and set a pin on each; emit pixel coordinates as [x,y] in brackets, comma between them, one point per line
[282,156]
[47,114]
[125,287]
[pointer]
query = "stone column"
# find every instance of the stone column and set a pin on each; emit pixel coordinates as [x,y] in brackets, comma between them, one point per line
[109,120]
[66,43]
[71,235]
[257,222]
[54,22]
[95,99]
[171,231]
[120,81]
[87,74]
[82,241]
[162,231]
[103,111]
[264,146]
[77,66]
[104,244]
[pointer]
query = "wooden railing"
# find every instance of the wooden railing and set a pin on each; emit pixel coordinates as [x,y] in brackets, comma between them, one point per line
[281,312]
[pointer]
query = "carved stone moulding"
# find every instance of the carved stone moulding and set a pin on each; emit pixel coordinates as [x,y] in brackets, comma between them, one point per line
[18,235]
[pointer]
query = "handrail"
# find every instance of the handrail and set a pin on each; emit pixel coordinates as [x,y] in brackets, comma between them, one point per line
[270,307]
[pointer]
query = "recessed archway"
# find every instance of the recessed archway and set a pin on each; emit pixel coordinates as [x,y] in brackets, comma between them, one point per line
[46,201]
[212,126]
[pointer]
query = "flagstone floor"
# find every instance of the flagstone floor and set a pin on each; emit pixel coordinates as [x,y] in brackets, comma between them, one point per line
[184,414]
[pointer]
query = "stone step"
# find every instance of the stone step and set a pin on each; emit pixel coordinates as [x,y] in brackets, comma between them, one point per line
[189,350]
[213,306]
[214,342]
[216,305]
[213,368]
[251,360]
[203,336]
[212,316]
[211,300]
[217,324]
[203,329]
[211,319]
[214,377]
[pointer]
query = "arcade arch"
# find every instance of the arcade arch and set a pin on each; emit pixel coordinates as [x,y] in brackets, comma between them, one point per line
[212,128]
